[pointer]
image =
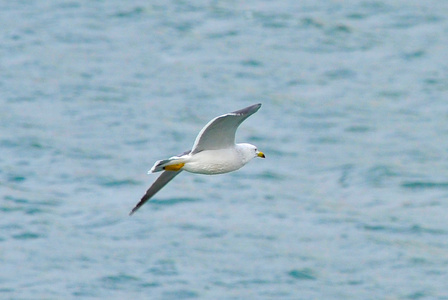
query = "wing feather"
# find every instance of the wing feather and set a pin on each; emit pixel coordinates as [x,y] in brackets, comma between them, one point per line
[219,133]
[160,182]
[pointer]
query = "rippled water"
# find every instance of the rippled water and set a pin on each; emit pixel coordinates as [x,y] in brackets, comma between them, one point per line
[350,203]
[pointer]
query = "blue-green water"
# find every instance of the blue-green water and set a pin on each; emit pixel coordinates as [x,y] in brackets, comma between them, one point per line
[350,203]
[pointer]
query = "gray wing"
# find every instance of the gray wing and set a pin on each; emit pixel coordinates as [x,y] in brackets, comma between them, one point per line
[160,182]
[219,133]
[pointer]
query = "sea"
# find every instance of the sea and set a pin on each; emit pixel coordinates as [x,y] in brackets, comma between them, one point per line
[351,201]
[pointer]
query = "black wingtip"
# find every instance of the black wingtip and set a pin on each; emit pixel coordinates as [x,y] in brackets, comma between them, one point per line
[160,182]
[134,210]
[140,204]
[248,110]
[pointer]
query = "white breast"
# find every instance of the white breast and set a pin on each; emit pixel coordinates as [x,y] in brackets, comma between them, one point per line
[214,161]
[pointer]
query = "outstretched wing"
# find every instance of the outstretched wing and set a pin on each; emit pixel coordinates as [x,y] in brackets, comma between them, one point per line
[160,182]
[219,133]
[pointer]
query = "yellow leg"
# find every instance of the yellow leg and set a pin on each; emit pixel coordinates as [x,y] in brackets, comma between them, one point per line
[175,167]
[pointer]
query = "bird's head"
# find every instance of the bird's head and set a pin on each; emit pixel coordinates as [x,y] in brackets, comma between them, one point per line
[250,151]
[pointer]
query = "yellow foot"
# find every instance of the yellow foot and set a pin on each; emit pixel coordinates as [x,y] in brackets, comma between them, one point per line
[175,167]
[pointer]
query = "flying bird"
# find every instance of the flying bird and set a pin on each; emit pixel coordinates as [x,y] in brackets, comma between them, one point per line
[214,152]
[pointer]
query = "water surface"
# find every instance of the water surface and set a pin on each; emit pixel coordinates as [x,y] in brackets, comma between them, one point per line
[350,203]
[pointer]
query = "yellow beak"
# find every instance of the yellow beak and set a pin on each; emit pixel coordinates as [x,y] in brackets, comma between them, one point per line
[260,154]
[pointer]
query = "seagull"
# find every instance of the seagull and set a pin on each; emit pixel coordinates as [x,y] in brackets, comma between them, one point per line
[214,152]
